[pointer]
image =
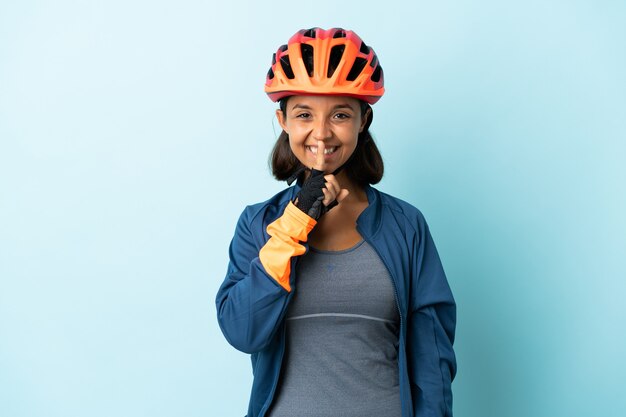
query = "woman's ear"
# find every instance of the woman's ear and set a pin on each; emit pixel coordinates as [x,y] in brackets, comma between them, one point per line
[365,118]
[281,120]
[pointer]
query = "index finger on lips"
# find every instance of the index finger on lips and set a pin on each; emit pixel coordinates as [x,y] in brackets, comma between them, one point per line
[319,160]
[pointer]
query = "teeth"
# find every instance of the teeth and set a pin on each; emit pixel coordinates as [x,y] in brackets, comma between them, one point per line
[327,151]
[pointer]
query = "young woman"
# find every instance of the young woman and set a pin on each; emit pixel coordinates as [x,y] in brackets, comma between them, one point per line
[335,288]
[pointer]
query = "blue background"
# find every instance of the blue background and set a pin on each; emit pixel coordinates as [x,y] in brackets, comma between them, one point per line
[133,133]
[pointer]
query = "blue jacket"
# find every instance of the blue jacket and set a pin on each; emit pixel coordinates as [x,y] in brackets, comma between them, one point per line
[251,305]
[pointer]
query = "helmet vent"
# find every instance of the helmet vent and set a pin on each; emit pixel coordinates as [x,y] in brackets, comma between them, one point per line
[307,57]
[378,74]
[339,34]
[374,61]
[357,67]
[309,33]
[270,74]
[283,48]
[364,48]
[336,52]
[273,59]
[286,65]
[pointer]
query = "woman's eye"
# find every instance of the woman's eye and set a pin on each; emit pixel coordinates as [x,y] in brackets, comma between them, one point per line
[342,116]
[303,116]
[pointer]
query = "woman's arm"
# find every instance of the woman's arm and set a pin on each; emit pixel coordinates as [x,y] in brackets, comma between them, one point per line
[431,328]
[253,297]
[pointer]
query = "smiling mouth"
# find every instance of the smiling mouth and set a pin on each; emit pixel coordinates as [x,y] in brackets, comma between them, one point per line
[327,151]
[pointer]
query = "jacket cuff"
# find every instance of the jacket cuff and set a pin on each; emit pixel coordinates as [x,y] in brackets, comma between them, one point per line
[286,233]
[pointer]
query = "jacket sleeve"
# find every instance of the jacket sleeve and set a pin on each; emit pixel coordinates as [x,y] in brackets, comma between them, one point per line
[253,297]
[431,327]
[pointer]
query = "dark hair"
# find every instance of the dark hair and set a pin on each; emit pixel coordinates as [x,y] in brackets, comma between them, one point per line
[365,166]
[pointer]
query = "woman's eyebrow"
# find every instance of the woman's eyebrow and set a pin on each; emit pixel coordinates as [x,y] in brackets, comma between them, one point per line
[343,106]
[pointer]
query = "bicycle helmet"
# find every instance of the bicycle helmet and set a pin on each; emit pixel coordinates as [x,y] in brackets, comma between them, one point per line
[317,61]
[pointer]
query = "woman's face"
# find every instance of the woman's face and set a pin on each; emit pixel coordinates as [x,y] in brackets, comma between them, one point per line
[334,120]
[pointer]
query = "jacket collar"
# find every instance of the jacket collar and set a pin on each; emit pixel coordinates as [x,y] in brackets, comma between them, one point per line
[369,220]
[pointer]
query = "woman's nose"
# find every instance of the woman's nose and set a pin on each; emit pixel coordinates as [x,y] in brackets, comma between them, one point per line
[321,130]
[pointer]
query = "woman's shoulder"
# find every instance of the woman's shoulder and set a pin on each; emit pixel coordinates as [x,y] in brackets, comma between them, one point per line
[398,205]
[397,211]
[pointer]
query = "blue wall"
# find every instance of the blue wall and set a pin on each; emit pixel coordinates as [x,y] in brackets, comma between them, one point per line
[132,134]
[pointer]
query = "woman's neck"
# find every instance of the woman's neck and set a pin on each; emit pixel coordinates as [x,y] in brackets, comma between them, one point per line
[357,192]
[336,229]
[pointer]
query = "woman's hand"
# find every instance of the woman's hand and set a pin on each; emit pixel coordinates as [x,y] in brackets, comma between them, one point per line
[332,190]
[320,192]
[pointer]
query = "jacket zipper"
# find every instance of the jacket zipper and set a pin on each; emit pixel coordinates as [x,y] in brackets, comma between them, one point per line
[270,400]
[395,290]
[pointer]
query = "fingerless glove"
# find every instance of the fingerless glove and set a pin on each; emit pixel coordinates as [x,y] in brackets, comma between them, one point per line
[310,197]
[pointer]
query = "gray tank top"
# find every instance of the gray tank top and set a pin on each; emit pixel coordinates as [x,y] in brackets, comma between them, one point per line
[341,356]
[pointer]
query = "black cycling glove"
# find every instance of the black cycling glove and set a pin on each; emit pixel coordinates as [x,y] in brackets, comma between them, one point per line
[309,198]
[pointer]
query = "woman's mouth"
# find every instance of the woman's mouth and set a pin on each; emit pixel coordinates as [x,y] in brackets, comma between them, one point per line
[327,151]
